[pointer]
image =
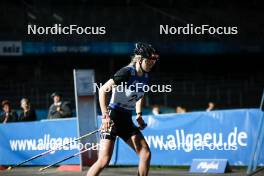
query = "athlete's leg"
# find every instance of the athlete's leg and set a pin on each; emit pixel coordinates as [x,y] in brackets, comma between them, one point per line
[140,146]
[105,154]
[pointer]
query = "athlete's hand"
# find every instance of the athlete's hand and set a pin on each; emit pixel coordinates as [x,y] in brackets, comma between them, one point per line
[106,122]
[141,123]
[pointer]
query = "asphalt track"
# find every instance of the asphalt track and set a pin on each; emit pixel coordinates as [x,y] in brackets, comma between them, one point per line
[114,171]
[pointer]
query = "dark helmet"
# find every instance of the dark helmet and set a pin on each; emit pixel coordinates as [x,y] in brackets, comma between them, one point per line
[146,51]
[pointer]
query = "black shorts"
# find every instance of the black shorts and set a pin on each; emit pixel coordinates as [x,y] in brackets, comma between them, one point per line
[123,126]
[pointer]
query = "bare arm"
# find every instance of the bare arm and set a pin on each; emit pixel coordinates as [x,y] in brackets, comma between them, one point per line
[140,120]
[139,105]
[103,91]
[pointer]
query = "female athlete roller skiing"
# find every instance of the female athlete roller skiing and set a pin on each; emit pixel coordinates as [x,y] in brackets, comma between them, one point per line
[117,116]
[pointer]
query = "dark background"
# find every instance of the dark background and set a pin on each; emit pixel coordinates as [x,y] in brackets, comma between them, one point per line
[134,20]
[231,80]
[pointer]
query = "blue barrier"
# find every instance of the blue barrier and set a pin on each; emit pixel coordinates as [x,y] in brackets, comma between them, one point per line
[20,141]
[174,139]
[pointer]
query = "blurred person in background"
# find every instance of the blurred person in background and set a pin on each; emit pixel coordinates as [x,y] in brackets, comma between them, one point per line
[180,110]
[8,114]
[155,110]
[59,108]
[28,113]
[211,106]
[117,115]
